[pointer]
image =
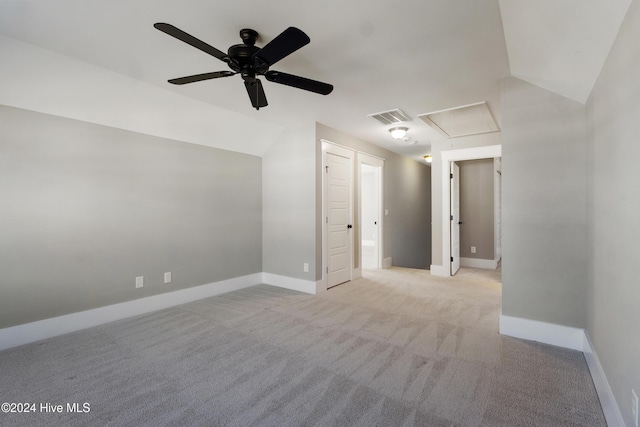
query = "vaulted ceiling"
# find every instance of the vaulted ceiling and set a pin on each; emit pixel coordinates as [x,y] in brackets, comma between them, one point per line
[103,61]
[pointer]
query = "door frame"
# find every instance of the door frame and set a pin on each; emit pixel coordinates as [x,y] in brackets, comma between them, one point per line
[368,159]
[488,151]
[337,150]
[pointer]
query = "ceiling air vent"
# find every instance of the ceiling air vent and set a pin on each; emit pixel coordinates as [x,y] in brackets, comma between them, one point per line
[391,117]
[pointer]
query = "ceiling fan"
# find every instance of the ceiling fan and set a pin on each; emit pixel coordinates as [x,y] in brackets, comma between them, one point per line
[250,61]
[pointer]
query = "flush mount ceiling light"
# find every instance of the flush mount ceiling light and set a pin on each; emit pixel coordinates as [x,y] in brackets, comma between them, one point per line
[428,159]
[398,132]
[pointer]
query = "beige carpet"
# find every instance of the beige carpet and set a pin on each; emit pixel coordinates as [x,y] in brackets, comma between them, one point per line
[395,348]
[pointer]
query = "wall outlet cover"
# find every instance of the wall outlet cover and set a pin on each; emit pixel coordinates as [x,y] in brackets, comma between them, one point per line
[167,277]
[139,281]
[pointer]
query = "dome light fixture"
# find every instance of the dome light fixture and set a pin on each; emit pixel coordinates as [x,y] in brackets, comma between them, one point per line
[428,158]
[398,132]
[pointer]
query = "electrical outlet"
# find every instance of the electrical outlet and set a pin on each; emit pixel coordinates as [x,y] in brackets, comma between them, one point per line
[139,281]
[473,249]
[167,277]
[305,267]
[634,406]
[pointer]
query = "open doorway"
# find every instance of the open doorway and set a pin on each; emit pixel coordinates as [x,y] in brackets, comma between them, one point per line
[479,200]
[448,157]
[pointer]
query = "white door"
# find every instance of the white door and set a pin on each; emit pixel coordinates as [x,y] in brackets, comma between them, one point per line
[455,218]
[370,203]
[498,207]
[339,225]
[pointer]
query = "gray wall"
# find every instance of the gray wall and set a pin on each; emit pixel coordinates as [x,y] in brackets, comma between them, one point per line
[289,203]
[613,209]
[544,219]
[407,196]
[87,208]
[477,208]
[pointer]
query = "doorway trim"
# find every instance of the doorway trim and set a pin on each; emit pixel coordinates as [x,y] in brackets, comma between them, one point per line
[447,157]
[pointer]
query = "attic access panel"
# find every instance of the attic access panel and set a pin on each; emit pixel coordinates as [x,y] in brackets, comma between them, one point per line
[467,120]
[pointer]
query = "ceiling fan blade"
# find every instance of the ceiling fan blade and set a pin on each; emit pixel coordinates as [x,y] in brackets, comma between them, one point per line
[189,39]
[283,45]
[200,77]
[256,93]
[299,82]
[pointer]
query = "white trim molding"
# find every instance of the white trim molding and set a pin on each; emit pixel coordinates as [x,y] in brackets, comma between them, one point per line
[300,285]
[574,339]
[440,270]
[607,400]
[487,264]
[35,331]
[547,333]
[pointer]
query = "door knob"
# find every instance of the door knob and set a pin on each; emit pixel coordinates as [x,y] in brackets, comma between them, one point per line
[349,226]
[460,222]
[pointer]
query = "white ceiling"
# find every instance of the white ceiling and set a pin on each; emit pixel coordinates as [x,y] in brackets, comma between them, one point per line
[561,45]
[99,60]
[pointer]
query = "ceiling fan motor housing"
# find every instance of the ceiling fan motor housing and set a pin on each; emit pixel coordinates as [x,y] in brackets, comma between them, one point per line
[242,58]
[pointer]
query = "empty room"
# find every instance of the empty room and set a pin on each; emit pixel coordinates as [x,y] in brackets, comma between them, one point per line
[286,214]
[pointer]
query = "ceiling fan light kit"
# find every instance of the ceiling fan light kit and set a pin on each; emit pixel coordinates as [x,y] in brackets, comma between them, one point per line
[251,61]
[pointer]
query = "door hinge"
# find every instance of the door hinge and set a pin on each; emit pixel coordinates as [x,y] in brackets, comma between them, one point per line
[327,270]
[451,217]
[451,259]
[326,169]
[451,176]
[326,220]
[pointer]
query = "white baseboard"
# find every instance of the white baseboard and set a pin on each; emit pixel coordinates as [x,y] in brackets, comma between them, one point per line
[487,264]
[547,333]
[292,283]
[387,262]
[609,405]
[440,270]
[574,339]
[357,273]
[47,328]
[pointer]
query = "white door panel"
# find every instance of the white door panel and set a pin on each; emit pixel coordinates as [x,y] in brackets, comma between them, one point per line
[370,207]
[339,224]
[455,218]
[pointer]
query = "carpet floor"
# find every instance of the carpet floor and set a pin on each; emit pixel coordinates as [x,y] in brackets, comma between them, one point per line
[397,347]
